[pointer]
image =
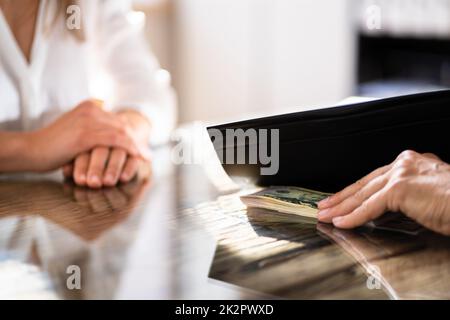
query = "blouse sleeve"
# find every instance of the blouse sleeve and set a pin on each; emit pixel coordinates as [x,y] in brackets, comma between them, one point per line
[137,80]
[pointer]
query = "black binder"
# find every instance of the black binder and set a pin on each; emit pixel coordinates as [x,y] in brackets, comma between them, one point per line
[327,149]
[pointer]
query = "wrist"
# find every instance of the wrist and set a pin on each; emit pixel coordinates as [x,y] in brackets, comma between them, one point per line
[139,123]
[16,152]
[37,157]
[26,145]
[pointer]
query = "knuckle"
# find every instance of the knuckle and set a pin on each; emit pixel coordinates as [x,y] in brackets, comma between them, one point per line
[96,166]
[359,183]
[122,131]
[113,167]
[401,172]
[81,105]
[364,207]
[82,139]
[366,212]
[335,198]
[114,138]
[408,154]
[398,185]
[85,107]
[88,109]
[128,172]
[88,141]
[404,171]
[404,166]
[359,195]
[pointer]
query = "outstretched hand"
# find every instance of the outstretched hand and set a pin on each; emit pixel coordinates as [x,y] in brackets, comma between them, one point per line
[417,185]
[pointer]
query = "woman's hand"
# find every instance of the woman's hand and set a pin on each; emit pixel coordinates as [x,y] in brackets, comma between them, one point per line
[78,131]
[104,167]
[107,166]
[417,185]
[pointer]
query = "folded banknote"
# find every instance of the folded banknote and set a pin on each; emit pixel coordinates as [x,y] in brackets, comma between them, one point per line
[288,200]
[299,205]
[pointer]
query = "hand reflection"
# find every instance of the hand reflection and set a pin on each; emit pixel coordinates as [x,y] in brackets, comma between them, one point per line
[52,225]
[409,267]
[98,210]
[86,212]
[362,247]
[120,198]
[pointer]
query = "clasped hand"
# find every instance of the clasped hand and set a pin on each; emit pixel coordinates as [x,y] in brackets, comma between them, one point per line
[95,147]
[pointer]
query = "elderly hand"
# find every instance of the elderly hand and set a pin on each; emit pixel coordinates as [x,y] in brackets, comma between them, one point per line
[106,166]
[417,185]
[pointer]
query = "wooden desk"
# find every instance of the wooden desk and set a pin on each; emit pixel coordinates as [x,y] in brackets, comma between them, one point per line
[170,238]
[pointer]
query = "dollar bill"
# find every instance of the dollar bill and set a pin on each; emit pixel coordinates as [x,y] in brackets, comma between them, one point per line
[287,200]
[299,205]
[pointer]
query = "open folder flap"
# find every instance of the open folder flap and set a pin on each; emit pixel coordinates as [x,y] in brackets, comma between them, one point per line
[327,149]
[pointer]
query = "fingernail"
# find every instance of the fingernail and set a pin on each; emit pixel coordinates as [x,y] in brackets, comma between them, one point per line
[109,179]
[323,213]
[94,180]
[337,220]
[82,178]
[323,202]
[124,176]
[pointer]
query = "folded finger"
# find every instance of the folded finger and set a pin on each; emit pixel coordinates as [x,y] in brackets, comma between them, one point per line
[80,195]
[130,169]
[81,165]
[97,164]
[114,168]
[370,209]
[116,198]
[352,189]
[114,138]
[67,170]
[354,201]
[98,201]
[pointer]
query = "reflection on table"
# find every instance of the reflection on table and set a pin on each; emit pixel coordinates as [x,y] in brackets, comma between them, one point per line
[179,236]
[48,226]
[407,266]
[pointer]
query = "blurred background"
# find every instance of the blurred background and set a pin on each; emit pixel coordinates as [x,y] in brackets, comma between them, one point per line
[231,59]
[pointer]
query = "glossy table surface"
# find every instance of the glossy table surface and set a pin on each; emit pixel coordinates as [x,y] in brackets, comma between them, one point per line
[180,236]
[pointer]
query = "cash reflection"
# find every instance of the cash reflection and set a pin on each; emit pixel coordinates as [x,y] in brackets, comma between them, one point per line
[407,266]
[46,226]
[266,253]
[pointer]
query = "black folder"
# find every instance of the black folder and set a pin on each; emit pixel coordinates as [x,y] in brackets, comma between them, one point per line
[327,149]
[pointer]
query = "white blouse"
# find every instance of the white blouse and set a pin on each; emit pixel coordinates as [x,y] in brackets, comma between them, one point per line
[113,64]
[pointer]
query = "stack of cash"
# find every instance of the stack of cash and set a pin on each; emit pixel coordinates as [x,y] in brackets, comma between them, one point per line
[299,205]
[287,200]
